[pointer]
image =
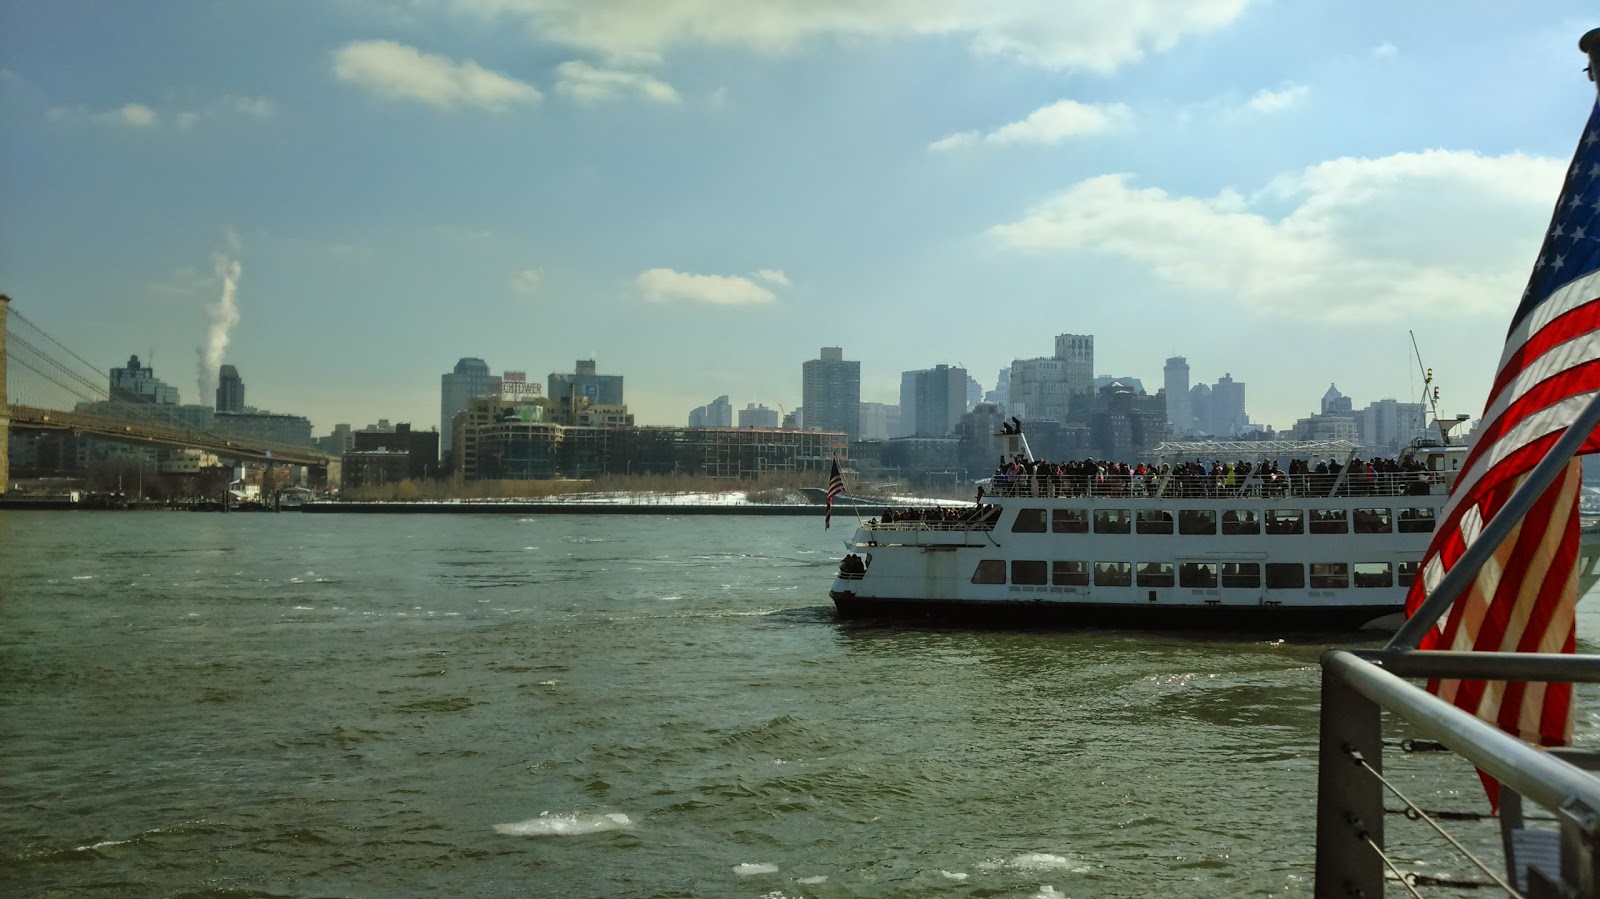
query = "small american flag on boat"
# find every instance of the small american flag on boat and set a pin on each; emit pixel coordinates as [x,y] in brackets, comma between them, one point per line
[835,490]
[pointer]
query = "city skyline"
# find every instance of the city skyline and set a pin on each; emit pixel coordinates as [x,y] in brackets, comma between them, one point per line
[343,201]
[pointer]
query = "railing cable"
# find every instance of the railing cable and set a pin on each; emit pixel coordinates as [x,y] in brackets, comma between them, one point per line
[1361,760]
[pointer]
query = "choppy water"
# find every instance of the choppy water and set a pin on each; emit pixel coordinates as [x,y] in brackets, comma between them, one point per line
[612,706]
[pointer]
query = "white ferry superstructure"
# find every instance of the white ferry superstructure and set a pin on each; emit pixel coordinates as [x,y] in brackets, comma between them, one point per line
[1304,552]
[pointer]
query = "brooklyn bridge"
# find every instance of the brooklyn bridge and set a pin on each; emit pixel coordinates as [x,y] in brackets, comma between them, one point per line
[46,386]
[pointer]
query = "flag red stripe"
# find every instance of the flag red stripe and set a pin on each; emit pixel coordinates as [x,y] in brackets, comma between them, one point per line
[1570,324]
[1563,385]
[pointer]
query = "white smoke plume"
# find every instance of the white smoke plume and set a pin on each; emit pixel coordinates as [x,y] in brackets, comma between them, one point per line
[221,317]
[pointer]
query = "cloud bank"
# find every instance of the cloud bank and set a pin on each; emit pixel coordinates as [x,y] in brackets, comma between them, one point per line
[1046,125]
[1398,237]
[663,285]
[398,71]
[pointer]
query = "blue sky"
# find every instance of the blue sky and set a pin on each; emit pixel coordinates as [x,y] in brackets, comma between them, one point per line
[700,194]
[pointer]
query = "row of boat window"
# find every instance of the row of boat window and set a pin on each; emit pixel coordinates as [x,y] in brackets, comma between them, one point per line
[1244,575]
[1233,522]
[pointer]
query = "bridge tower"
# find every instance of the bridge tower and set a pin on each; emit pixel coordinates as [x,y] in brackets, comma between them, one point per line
[5,408]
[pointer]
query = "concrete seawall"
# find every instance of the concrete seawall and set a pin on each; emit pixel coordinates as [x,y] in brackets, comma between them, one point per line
[533,508]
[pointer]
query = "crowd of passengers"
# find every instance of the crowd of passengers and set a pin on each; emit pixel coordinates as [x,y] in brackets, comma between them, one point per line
[1091,477]
[939,515]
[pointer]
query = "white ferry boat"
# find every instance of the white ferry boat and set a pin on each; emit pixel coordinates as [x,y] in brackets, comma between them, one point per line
[1302,551]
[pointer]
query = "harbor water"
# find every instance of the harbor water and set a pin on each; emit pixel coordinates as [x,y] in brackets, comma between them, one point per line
[295,705]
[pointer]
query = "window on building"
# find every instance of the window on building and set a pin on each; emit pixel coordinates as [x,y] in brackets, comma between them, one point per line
[1070,574]
[1241,575]
[1416,521]
[990,571]
[1113,574]
[1029,572]
[1197,521]
[1286,576]
[1374,574]
[1155,574]
[1329,575]
[1029,521]
[1154,521]
[1237,523]
[1069,521]
[1285,521]
[1112,521]
[1197,574]
[1329,521]
[1372,521]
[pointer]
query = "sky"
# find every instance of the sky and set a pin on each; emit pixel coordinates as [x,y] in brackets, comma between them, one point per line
[342,198]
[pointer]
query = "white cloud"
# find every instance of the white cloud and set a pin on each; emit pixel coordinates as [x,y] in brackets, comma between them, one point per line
[663,285]
[773,276]
[396,70]
[1045,125]
[1267,102]
[586,83]
[526,282]
[1385,50]
[253,107]
[1091,36]
[138,115]
[1402,236]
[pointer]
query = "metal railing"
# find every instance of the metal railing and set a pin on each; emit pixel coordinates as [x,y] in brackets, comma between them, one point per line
[1387,483]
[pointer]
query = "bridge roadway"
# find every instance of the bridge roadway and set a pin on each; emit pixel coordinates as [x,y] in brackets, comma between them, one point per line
[238,449]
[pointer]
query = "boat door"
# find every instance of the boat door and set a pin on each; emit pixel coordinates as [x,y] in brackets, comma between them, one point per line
[1240,578]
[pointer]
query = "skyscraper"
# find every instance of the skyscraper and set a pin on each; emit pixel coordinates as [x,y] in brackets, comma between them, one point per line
[1228,417]
[1177,387]
[470,379]
[716,414]
[138,383]
[1077,351]
[831,393]
[937,397]
[230,390]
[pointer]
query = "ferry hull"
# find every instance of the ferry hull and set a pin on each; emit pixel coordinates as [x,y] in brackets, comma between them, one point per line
[1034,613]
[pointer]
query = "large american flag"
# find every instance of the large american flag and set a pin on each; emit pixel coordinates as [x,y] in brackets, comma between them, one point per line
[1524,598]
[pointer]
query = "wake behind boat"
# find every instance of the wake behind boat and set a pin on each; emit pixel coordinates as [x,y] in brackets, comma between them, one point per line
[1292,535]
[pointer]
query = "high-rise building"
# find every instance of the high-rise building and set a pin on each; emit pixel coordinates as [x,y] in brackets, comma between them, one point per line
[585,385]
[938,398]
[1228,417]
[230,390]
[907,425]
[1176,382]
[831,393]
[753,416]
[1001,394]
[470,379]
[1388,425]
[716,414]
[1077,351]
[1201,423]
[1334,401]
[138,384]
[880,421]
[974,394]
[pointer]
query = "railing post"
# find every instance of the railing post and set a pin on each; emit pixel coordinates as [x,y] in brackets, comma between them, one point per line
[5,407]
[1580,854]
[1349,800]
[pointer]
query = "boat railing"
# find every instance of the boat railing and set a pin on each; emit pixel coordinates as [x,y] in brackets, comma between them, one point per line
[1400,483]
[1354,854]
[985,524]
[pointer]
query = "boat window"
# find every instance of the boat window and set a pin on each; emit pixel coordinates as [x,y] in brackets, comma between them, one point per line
[1286,576]
[1235,523]
[1329,575]
[1374,574]
[1328,521]
[1241,574]
[1371,521]
[1407,573]
[1154,521]
[1029,572]
[1155,574]
[1070,574]
[1112,521]
[1113,574]
[990,571]
[1285,521]
[1416,521]
[1029,521]
[1069,521]
[1197,521]
[1197,574]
